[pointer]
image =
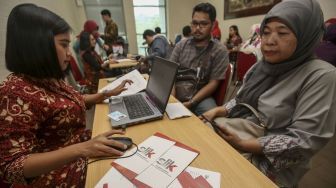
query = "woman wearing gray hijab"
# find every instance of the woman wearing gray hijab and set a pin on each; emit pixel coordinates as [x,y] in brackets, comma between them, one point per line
[293,92]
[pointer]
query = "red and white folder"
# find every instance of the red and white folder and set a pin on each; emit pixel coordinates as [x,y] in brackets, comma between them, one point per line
[158,162]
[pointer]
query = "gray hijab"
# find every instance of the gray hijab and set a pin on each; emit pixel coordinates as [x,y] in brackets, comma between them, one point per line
[305,19]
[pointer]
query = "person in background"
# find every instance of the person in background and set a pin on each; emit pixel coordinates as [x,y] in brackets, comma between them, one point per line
[43,139]
[293,91]
[186,34]
[252,45]
[91,27]
[157,30]
[326,50]
[94,67]
[157,46]
[110,32]
[233,42]
[216,32]
[204,55]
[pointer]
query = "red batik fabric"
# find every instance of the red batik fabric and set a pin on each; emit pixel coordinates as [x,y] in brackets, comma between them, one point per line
[36,116]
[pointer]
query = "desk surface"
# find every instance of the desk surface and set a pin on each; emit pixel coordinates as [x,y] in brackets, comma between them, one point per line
[123,64]
[215,154]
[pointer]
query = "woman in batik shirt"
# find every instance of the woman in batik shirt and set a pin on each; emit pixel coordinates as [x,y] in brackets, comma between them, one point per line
[43,140]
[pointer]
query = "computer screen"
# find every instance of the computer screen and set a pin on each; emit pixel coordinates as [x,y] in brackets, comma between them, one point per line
[161,81]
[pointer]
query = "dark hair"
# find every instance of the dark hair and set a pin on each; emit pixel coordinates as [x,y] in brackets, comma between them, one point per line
[84,41]
[105,12]
[206,8]
[186,31]
[30,46]
[148,32]
[157,30]
[235,28]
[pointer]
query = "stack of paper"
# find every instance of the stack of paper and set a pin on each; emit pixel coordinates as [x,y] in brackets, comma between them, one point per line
[196,177]
[159,162]
[125,60]
[139,83]
[177,110]
[190,177]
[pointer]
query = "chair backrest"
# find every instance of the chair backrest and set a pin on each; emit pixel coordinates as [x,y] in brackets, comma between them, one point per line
[243,64]
[223,88]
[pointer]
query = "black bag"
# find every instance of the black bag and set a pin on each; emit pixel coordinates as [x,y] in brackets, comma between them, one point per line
[189,81]
[186,84]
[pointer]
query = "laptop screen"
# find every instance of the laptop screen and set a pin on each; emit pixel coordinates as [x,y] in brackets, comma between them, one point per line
[161,81]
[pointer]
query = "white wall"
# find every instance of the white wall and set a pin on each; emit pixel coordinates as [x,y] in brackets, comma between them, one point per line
[179,14]
[130,26]
[67,9]
[244,24]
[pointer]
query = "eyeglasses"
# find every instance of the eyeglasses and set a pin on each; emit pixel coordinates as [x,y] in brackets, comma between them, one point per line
[201,24]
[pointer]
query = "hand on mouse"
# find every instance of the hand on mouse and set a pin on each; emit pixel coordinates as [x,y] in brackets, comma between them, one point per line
[101,145]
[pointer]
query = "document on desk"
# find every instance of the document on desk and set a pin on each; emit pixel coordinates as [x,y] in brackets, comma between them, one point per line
[177,110]
[113,178]
[139,83]
[196,177]
[125,60]
[158,162]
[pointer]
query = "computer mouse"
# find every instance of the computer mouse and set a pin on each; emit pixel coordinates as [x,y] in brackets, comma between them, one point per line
[125,140]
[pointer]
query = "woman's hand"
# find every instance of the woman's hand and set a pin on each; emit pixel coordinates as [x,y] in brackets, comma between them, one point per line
[120,88]
[187,104]
[232,138]
[209,115]
[101,145]
[113,61]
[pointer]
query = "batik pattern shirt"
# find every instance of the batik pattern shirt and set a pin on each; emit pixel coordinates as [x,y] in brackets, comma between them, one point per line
[37,116]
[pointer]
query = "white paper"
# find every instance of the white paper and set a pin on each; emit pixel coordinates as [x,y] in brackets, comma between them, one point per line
[177,110]
[113,178]
[162,167]
[149,151]
[139,83]
[162,172]
[213,178]
[124,60]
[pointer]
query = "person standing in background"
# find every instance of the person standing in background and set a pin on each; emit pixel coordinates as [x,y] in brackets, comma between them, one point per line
[234,39]
[233,42]
[110,32]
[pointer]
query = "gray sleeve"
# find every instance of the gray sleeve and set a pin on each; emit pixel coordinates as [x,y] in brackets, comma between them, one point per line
[220,62]
[158,48]
[313,124]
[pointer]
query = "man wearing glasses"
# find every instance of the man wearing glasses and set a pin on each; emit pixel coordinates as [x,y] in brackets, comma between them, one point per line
[206,56]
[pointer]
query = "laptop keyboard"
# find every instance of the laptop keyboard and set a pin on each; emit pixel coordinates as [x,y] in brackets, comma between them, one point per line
[137,106]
